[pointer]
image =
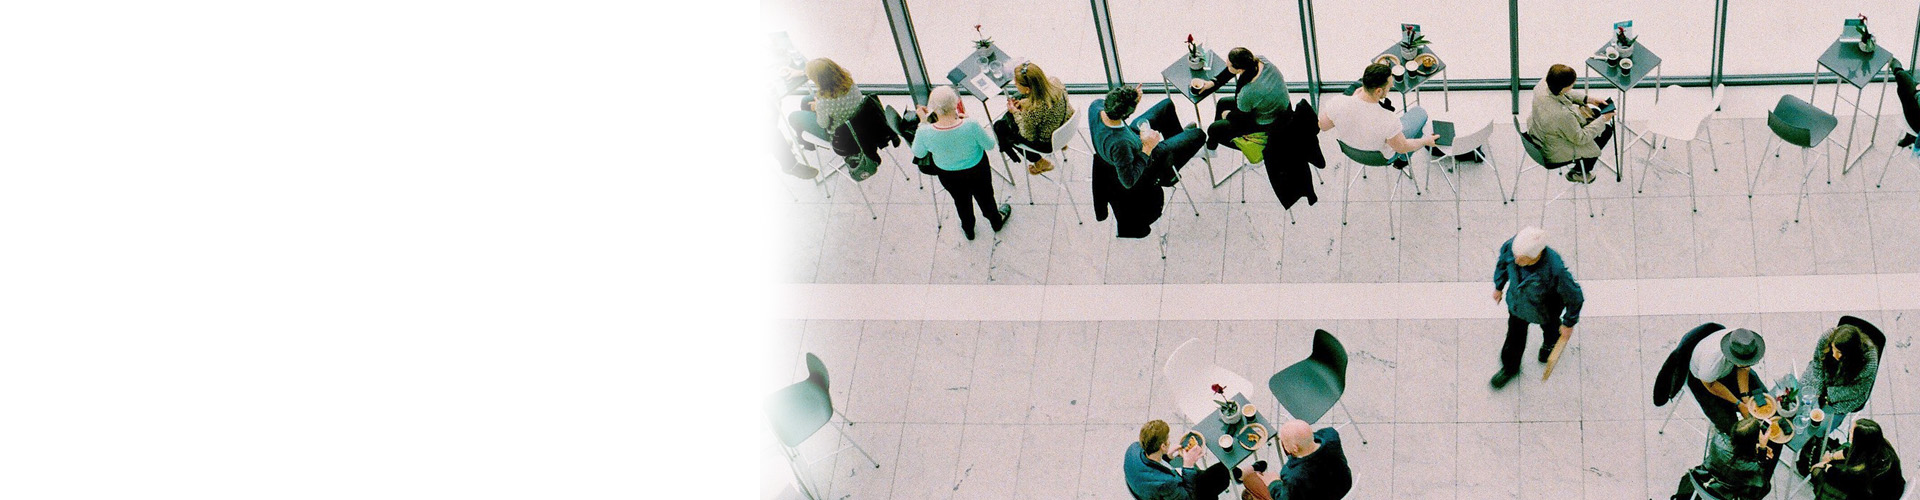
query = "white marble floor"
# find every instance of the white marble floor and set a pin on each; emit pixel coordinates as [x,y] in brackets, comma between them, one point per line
[1021,364]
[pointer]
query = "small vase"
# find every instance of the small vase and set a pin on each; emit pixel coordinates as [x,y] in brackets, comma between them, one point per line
[1626,51]
[1867,45]
[1196,62]
[1230,417]
[1787,408]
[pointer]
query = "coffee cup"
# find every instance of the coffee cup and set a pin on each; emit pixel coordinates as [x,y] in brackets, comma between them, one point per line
[1613,53]
[1248,411]
[1226,441]
[1817,415]
[1626,64]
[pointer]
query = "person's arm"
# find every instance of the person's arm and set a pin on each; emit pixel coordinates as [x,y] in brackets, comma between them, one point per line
[1909,107]
[1720,390]
[822,112]
[920,144]
[1564,124]
[1570,297]
[1500,266]
[1401,144]
[983,137]
[1214,86]
[1326,122]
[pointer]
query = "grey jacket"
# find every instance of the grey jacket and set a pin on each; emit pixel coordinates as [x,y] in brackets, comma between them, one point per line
[1564,133]
[1533,289]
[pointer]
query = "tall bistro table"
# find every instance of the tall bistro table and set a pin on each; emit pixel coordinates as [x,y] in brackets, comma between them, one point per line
[1805,432]
[983,81]
[1212,428]
[1644,62]
[1412,79]
[1845,60]
[1179,76]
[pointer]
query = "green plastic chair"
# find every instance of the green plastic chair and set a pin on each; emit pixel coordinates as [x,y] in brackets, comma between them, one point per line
[1796,122]
[1373,158]
[800,410]
[1312,386]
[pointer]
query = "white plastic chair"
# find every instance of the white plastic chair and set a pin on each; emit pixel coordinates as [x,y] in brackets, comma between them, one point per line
[1463,144]
[1062,142]
[1682,119]
[1190,378]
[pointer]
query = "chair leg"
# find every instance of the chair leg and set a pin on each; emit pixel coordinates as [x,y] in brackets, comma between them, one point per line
[856,444]
[1710,149]
[1755,182]
[800,474]
[1663,422]
[1355,422]
[1886,165]
[1806,178]
[1692,191]
[1393,202]
[1346,196]
[863,197]
[1516,181]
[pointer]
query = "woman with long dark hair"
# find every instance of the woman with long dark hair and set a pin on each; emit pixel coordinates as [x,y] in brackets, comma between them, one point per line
[1867,469]
[1842,372]
[1032,116]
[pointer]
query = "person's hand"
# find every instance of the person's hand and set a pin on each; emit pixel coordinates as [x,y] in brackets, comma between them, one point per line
[923,111]
[807,105]
[1596,101]
[1607,117]
[1190,456]
[1201,84]
[1139,94]
[1497,294]
[1565,331]
[1747,406]
[1431,140]
[1148,140]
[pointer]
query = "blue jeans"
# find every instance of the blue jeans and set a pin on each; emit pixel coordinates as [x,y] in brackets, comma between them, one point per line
[1414,125]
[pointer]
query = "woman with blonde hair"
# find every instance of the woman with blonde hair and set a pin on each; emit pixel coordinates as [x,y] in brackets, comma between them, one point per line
[1037,109]
[959,149]
[832,103]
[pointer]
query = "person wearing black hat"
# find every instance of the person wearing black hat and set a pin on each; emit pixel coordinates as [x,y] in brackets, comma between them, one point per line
[1723,379]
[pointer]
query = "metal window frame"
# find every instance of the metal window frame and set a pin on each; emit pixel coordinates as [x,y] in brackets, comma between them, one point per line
[908,44]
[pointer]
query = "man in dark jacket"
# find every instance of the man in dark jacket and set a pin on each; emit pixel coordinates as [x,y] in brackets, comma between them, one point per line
[1539,291]
[1139,161]
[1150,476]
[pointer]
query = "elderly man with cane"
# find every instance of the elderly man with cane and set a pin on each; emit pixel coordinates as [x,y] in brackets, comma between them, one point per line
[1539,291]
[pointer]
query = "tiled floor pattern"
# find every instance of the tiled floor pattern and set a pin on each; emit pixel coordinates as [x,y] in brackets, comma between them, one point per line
[1019,365]
[972,409]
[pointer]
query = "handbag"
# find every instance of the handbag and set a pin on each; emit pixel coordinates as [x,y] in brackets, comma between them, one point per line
[926,165]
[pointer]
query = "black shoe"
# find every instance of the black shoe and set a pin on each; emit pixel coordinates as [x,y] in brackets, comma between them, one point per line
[1435,152]
[1005,210]
[1400,164]
[1500,379]
[1260,466]
[968,231]
[1545,350]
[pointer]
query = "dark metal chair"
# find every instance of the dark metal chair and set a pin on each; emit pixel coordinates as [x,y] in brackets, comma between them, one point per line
[1373,158]
[1796,122]
[800,410]
[1312,386]
[1532,147]
[1670,384]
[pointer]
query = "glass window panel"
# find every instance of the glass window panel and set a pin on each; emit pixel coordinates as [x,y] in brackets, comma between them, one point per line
[1057,35]
[1760,40]
[1469,35]
[1556,32]
[854,34]
[1151,34]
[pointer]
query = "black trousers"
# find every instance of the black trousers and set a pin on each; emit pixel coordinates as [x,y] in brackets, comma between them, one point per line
[969,186]
[1209,483]
[1007,132]
[1517,338]
[1586,164]
[1237,123]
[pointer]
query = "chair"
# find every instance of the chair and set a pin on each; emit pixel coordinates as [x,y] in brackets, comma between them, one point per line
[1682,120]
[1062,142]
[1796,122]
[1373,158]
[871,116]
[800,410]
[1311,387]
[1699,487]
[1463,144]
[1670,383]
[1532,148]
[1190,376]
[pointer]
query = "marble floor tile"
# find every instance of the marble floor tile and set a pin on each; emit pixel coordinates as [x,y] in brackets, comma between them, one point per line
[1842,235]
[1425,385]
[1550,463]
[907,247]
[1061,381]
[887,350]
[853,475]
[986,468]
[1782,246]
[1021,249]
[1124,369]
[929,456]
[1049,461]
[1488,461]
[1894,226]
[1254,241]
[1078,254]
[1663,238]
[1369,252]
[1612,463]
[1424,461]
[942,372]
[1195,245]
[1001,390]
[1723,236]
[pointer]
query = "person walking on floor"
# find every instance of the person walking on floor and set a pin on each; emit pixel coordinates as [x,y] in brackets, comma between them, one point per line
[1539,291]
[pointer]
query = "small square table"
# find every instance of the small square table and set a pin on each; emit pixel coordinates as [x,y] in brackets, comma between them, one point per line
[1180,75]
[1803,428]
[982,82]
[1844,59]
[1644,62]
[1411,80]
[1212,428]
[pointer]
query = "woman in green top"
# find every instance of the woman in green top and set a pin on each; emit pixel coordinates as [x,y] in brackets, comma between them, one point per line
[827,109]
[1039,108]
[959,148]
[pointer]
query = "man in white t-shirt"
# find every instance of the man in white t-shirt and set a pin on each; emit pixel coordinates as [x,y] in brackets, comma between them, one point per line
[1359,121]
[1722,365]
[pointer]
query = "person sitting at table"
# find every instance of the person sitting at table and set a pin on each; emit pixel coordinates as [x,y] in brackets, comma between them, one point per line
[1136,163]
[1150,477]
[959,148]
[1723,379]
[1845,363]
[1316,467]
[1866,469]
[1738,464]
[1032,117]
[1359,121]
[1260,101]
[1566,128]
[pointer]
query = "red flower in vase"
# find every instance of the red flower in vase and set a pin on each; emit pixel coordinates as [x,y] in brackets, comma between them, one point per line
[1219,389]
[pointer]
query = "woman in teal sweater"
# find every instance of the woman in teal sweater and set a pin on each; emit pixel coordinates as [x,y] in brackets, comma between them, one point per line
[959,148]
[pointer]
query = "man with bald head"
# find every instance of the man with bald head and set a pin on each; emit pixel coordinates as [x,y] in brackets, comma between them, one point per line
[1539,291]
[1316,466]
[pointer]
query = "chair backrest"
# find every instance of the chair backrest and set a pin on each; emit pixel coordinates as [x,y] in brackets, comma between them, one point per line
[871,116]
[816,371]
[1470,142]
[1064,135]
[1787,132]
[1368,157]
[1530,144]
[1328,351]
[1699,489]
[1878,337]
[1183,372]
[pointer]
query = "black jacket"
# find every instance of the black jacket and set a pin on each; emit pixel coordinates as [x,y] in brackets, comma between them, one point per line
[1292,146]
[1134,209]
